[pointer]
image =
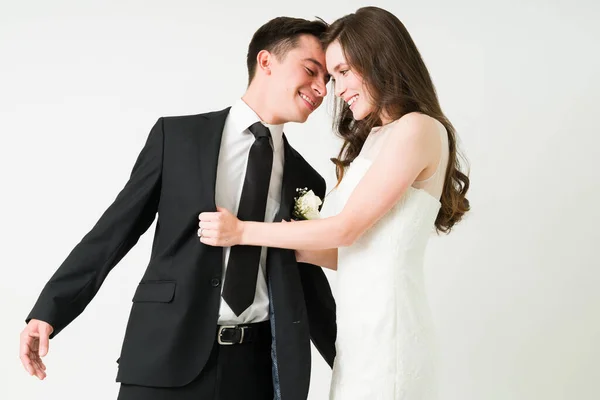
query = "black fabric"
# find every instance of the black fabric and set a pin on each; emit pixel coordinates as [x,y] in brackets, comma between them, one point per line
[172,324]
[241,371]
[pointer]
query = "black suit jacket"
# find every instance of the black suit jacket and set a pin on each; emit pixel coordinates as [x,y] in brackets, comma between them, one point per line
[172,324]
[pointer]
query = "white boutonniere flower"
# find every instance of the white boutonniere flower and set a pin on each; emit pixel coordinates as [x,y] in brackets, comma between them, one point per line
[306,205]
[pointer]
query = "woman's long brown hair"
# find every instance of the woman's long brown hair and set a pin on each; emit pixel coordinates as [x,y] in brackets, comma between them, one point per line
[379,48]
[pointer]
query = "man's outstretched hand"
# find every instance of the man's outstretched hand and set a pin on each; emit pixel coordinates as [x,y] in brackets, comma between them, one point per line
[35,339]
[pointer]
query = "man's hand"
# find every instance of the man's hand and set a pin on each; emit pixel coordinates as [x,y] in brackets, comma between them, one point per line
[34,345]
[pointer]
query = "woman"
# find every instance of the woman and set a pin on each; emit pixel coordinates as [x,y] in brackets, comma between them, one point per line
[398,178]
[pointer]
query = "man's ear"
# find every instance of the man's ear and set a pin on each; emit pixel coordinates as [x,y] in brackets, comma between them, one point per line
[264,60]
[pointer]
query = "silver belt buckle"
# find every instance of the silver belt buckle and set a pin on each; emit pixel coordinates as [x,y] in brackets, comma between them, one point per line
[220,333]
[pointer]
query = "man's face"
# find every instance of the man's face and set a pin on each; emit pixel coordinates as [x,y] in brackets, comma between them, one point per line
[298,81]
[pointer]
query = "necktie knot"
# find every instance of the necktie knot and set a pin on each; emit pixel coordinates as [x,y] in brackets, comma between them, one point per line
[259,130]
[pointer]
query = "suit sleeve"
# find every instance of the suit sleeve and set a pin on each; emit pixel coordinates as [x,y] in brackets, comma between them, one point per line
[80,276]
[320,304]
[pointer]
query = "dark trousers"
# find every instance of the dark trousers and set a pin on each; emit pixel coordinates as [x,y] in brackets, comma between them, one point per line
[232,372]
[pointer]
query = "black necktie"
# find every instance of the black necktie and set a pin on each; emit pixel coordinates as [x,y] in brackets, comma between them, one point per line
[242,268]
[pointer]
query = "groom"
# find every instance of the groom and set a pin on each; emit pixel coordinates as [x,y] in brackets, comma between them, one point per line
[212,322]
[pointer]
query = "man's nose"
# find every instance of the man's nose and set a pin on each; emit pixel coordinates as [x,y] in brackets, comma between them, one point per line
[320,88]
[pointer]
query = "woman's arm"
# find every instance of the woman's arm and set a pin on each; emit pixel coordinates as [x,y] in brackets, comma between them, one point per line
[323,258]
[412,146]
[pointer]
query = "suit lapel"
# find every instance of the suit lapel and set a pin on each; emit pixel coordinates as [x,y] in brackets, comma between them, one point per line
[209,147]
[288,184]
[287,312]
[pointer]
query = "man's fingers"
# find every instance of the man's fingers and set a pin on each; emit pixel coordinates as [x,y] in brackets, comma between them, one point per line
[26,361]
[31,365]
[25,352]
[28,367]
[36,366]
[33,344]
[40,364]
[26,343]
[39,372]
[40,369]
[44,340]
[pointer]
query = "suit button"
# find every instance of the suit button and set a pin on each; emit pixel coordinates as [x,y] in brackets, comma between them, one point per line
[214,282]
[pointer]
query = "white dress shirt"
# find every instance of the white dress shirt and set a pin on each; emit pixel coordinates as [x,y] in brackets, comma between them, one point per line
[231,170]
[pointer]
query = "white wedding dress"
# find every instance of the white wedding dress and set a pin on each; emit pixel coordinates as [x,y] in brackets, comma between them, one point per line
[385,344]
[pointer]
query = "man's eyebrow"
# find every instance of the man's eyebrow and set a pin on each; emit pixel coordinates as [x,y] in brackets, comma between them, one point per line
[315,62]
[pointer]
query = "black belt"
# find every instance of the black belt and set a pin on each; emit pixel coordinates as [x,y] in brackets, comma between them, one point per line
[238,334]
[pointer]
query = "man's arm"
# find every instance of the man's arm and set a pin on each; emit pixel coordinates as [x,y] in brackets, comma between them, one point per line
[80,276]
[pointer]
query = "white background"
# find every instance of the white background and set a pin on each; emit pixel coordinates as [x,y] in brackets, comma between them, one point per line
[514,290]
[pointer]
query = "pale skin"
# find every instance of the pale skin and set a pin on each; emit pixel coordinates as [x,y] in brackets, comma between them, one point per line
[411,152]
[34,345]
[295,86]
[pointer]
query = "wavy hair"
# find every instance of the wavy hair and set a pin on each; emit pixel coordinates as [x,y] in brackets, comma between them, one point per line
[379,48]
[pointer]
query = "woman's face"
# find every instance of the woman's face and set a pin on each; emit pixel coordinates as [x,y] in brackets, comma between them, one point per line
[348,84]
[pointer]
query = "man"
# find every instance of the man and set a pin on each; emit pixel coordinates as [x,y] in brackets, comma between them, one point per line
[212,322]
